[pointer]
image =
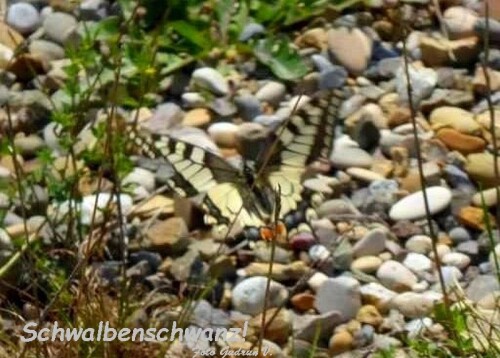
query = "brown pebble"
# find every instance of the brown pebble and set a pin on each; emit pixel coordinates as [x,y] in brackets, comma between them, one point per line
[340,342]
[370,315]
[474,217]
[463,143]
[303,301]
[197,117]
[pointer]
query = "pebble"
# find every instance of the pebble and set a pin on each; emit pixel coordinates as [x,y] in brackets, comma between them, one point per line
[335,207]
[451,275]
[47,50]
[23,17]
[271,92]
[248,295]
[141,177]
[375,294]
[251,30]
[364,174]
[459,21]
[423,81]
[318,253]
[474,218]
[480,83]
[278,328]
[367,264]
[480,166]
[414,305]
[395,276]
[481,286]
[384,191]
[223,134]
[456,118]
[339,294]
[459,234]
[372,243]
[417,327]
[211,79]
[463,143]
[412,206]
[248,106]
[316,280]
[351,48]
[61,28]
[436,51]
[489,196]
[315,37]
[281,272]
[197,117]
[369,314]
[340,342]
[417,262]
[456,259]
[303,301]
[96,204]
[93,10]
[169,236]
[346,157]
[306,326]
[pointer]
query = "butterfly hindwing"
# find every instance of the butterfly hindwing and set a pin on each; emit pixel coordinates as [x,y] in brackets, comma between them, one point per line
[303,138]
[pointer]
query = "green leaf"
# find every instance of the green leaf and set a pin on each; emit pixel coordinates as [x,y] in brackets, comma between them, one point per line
[191,33]
[224,9]
[108,29]
[280,58]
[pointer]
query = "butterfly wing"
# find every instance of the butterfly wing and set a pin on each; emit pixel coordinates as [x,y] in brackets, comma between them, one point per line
[305,137]
[199,171]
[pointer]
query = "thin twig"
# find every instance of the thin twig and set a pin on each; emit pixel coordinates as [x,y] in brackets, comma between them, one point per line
[432,234]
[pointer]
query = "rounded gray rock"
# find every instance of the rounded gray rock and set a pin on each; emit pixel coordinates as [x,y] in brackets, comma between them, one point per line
[248,295]
[211,80]
[60,27]
[339,294]
[23,17]
[345,157]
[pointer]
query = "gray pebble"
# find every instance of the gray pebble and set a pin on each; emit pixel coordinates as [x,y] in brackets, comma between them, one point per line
[251,30]
[332,78]
[422,80]
[459,234]
[61,28]
[339,294]
[248,107]
[373,243]
[272,92]
[346,157]
[248,295]
[23,17]
[212,80]
[93,10]
[47,50]
[481,286]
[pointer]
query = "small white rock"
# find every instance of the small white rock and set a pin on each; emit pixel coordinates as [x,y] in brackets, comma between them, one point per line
[417,262]
[412,206]
[395,276]
[456,259]
[364,174]
[372,243]
[420,244]
[223,134]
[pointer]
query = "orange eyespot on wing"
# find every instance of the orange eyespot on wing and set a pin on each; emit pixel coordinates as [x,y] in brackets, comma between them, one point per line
[277,233]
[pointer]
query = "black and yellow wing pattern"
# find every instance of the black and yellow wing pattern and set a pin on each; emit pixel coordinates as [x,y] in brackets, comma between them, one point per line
[229,196]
